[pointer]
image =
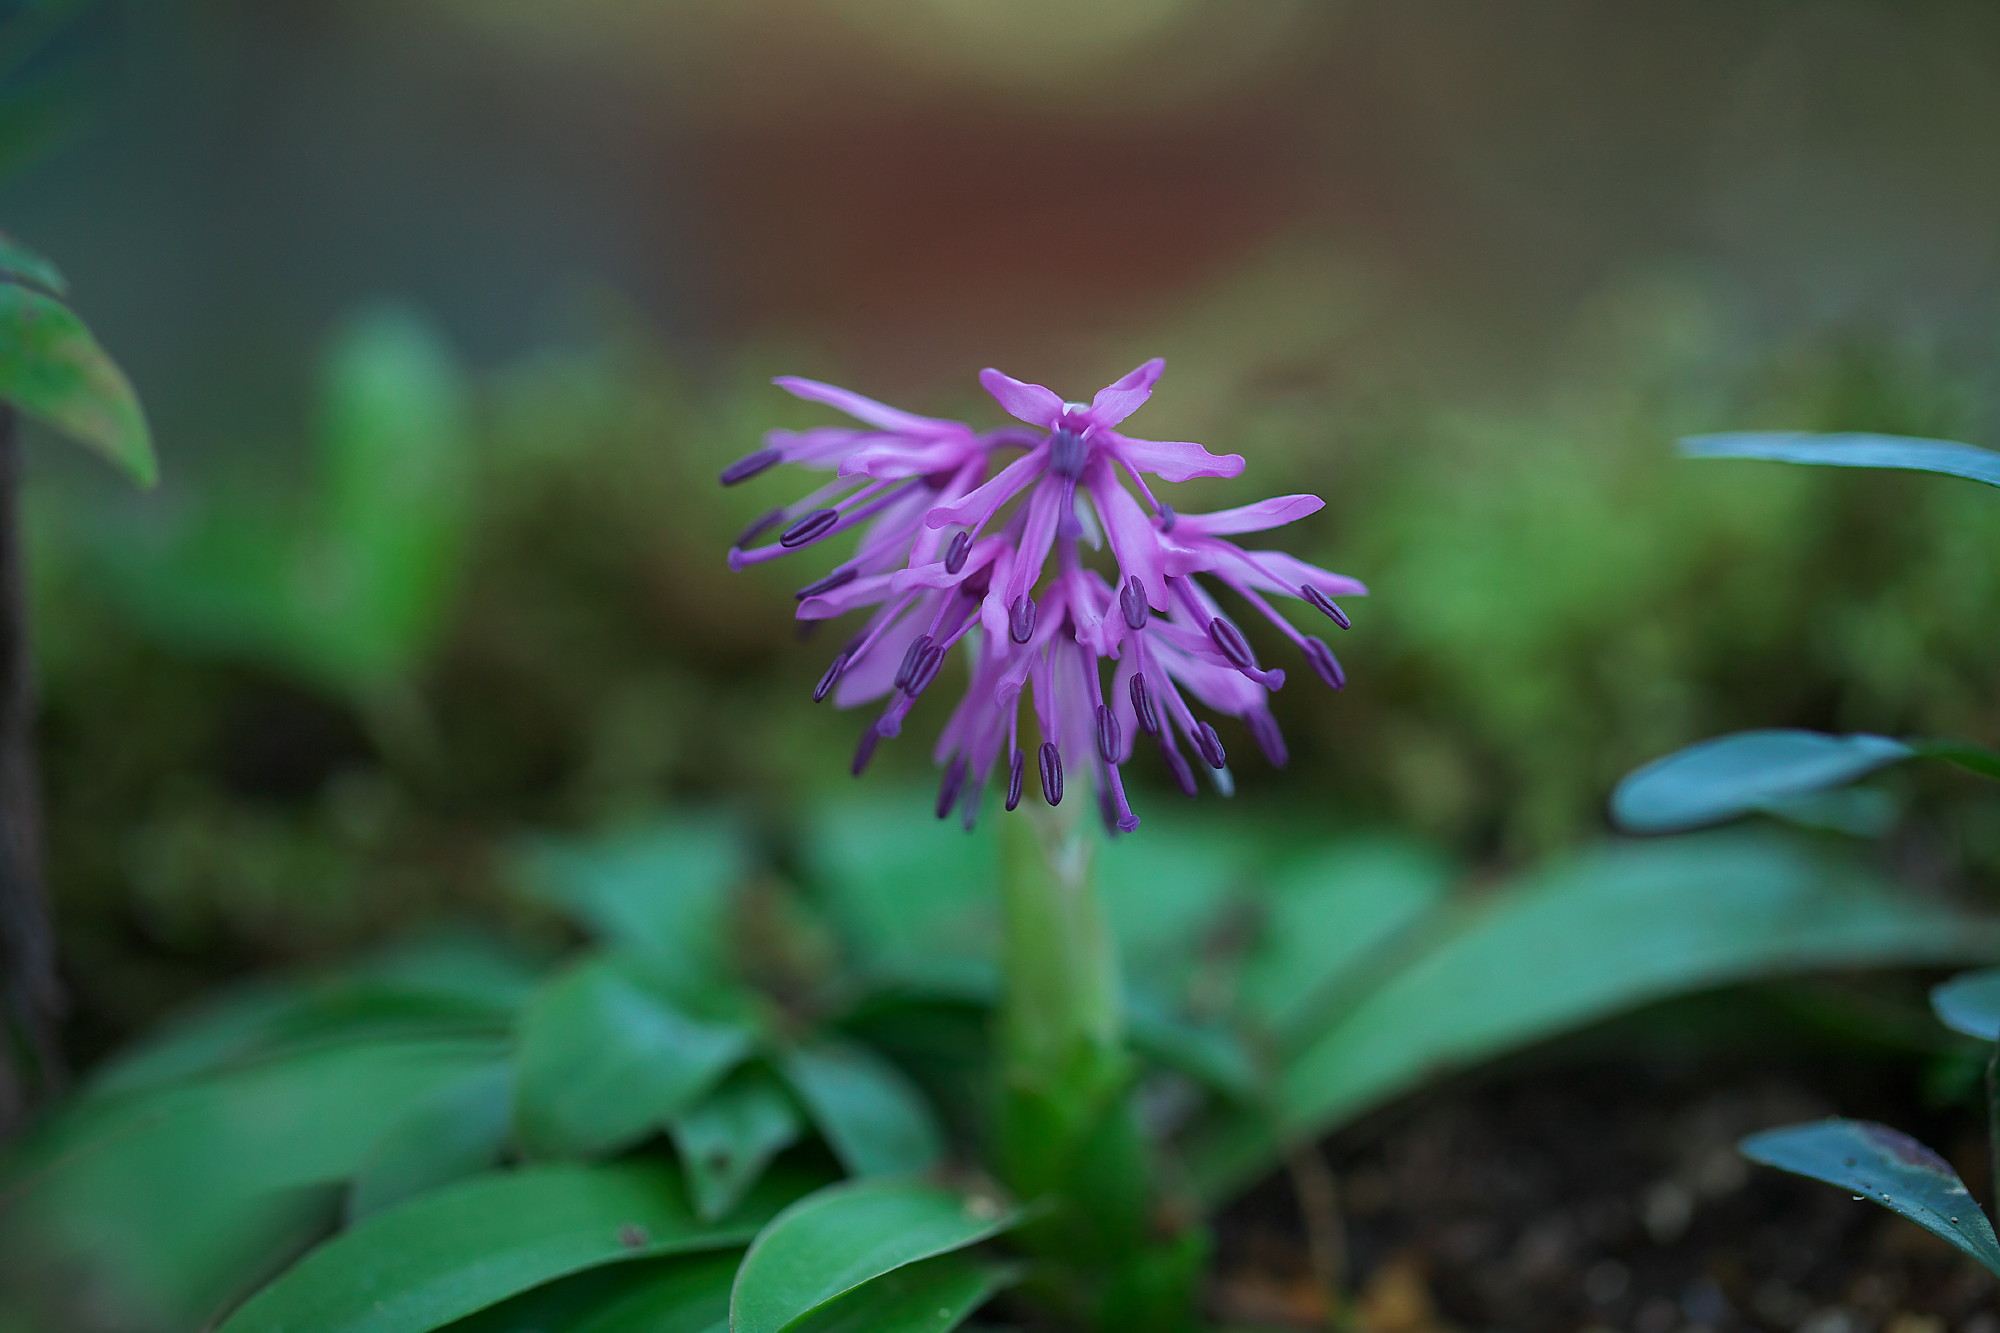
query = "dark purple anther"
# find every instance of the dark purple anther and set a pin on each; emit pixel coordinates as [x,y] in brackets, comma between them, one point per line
[1177,765]
[911,658]
[1017,772]
[832,677]
[1168,517]
[1325,663]
[1067,453]
[1021,619]
[954,778]
[1229,641]
[1269,739]
[1142,704]
[1132,601]
[810,528]
[926,671]
[1325,606]
[1110,737]
[866,750]
[840,578]
[954,554]
[1210,745]
[758,526]
[1051,764]
[750,465]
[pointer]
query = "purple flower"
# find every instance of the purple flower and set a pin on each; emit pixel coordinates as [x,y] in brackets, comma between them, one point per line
[957,548]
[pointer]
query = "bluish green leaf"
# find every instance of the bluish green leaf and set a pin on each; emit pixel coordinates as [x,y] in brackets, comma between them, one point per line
[1970,1003]
[171,1198]
[1888,1167]
[20,264]
[660,893]
[1851,450]
[728,1137]
[454,1132]
[445,1255]
[874,1118]
[833,1241]
[1595,935]
[52,368]
[1728,776]
[604,1059]
[933,1296]
[1208,1051]
[683,1294]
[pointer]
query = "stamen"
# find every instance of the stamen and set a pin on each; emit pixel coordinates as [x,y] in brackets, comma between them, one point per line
[954,778]
[810,528]
[831,678]
[1132,601]
[1142,704]
[1325,663]
[969,807]
[1269,739]
[927,669]
[1229,641]
[1109,734]
[1107,810]
[1177,765]
[758,526]
[1067,453]
[954,554]
[1210,745]
[1017,772]
[866,750]
[1052,773]
[1325,605]
[1168,517]
[840,578]
[1021,619]
[750,465]
[911,658]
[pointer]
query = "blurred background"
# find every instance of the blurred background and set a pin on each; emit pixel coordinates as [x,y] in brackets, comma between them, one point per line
[447,312]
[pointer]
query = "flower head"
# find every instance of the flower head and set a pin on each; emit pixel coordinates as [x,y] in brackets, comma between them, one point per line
[958,547]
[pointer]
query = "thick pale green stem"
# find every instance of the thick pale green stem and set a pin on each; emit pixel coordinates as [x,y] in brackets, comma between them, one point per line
[1061,1012]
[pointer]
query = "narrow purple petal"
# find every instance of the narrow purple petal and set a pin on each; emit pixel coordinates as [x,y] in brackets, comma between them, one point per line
[983,501]
[1135,543]
[1122,397]
[1269,739]
[1177,460]
[1032,403]
[1272,513]
[1177,766]
[864,409]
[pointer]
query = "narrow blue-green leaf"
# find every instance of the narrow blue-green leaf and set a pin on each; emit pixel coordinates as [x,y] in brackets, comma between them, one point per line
[1719,779]
[874,1118]
[1851,450]
[1208,1051]
[604,1059]
[442,1256]
[681,1294]
[20,264]
[1590,937]
[1888,1167]
[455,1132]
[728,1137]
[52,368]
[1970,1003]
[832,1242]
[929,1297]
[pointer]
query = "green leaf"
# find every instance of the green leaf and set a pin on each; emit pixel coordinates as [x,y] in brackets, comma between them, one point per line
[1970,1003]
[604,1059]
[1888,1167]
[928,1297]
[659,893]
[456,1131]
[1728,776]
[172,1198]
[874,1119]
[445,1255]
[1210,1052]
[1851,450]
[1588,938]
[52,368]
[20,264]
[1972,758]
[1331,922]
[685,1294]
[831,1242]
[729,1137]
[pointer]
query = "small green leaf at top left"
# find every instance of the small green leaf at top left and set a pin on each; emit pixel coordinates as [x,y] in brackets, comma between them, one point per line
[20,264]
[53,369]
